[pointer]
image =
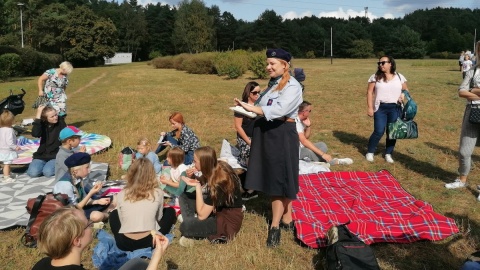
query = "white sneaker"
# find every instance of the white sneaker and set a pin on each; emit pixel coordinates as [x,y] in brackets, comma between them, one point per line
[344,161]
[186,242]
[389,158]
[8,179]
[369,157]
[456,184]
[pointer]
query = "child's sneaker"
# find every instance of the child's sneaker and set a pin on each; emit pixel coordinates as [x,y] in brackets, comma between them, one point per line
[8,179]
[456,184]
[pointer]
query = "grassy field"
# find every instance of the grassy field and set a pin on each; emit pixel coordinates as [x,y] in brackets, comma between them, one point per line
[130,101]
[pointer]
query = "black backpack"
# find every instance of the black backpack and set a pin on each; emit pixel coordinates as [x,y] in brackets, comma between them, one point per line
[346,252]
[13,103]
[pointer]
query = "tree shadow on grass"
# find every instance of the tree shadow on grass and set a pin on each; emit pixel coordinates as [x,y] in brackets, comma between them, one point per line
[422,254]
[422,167]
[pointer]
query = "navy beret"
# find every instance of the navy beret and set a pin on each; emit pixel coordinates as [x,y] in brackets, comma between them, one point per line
[77,159]
[280,54]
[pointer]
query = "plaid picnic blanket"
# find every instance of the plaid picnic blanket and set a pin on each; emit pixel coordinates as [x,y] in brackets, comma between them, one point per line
[377,207]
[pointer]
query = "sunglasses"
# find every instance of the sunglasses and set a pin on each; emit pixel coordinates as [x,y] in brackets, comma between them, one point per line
[89,225]
[382,63]
[307,111]
[254,93]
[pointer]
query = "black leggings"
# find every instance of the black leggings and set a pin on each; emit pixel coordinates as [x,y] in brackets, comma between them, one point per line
[127,244]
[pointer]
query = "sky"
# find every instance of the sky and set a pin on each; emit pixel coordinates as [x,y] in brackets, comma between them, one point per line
[250,10]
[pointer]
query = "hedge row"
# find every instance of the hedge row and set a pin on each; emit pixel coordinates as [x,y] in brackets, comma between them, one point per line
[30,62]
[232,64]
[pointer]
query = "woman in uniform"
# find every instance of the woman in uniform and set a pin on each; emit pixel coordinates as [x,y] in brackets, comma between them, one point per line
[273,164]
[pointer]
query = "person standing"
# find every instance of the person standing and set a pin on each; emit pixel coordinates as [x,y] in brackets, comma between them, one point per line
[466,65]
[470,90]
[273,165]
[384,93]
[52,85]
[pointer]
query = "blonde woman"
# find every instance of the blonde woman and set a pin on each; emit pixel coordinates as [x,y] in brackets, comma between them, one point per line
[78,165]
[273,164]
[140,209]
[66,234]
[52,86]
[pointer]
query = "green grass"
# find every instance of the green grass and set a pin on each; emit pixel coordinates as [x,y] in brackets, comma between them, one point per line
[130,101]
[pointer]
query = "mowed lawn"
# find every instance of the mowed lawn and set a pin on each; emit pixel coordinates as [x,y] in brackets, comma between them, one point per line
[130,101]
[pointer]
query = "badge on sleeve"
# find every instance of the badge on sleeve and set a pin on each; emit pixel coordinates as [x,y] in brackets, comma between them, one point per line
[269,103]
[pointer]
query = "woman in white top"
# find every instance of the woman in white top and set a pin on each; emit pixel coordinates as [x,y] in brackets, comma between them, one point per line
[140,209]
[469,90]
[384,93]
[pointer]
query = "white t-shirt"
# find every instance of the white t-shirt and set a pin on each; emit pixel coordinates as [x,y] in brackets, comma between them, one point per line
[177,172]
[466,65]
[300,128]
[387,91]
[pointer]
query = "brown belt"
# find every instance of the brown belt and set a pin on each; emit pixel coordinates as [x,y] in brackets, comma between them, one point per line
[286,119]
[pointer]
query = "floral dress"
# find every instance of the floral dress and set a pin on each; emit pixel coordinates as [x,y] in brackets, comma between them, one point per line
[54,91]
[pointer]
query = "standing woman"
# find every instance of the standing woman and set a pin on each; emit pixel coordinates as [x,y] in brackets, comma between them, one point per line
[52,85]
[273,165]
[469,90]
[46,126]
[384,93]
[181,136]
[244,128]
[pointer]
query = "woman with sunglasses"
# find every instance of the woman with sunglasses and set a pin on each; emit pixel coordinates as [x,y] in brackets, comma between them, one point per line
[273,165]
[384,94]
[244,128]
[66,234]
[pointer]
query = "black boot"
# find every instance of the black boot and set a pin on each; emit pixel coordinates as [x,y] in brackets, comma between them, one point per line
[273,239]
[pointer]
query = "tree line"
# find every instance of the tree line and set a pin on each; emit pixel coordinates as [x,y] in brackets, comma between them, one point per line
[84,31]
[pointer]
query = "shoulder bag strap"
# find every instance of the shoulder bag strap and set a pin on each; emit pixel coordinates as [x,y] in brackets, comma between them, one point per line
[34,213]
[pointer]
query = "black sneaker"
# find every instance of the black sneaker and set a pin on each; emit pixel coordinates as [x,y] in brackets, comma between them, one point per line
[273,238]
[248,196]
[287,226]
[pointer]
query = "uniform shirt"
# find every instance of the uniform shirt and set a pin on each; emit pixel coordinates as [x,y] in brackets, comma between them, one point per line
[285,102]
[387,91]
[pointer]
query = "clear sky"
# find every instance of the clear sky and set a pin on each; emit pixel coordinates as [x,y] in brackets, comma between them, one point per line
[249,10]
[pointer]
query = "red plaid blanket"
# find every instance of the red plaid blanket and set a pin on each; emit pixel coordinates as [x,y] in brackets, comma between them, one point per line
[377,207]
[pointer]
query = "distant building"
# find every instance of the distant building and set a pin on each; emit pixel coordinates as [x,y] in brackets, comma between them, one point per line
[119,58]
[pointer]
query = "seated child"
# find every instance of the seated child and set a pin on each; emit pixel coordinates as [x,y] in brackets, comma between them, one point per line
[144,149]
[70,138]
[71,184]
[172,176]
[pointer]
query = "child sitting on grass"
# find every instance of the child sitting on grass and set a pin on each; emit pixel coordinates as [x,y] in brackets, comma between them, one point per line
[172,175]
[71,184]
[8,144]
[70,138]
[144,149]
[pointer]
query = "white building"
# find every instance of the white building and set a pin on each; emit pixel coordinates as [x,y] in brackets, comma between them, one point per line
[119,58]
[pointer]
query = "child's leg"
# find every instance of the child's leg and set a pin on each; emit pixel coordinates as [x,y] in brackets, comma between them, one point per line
[6,170]
[97,216]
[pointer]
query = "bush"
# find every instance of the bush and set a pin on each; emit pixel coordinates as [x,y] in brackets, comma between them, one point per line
[444,55]
[154,54]
[199,63]
[257,65]
[310,55]
[8,49]
[163,62]
[34,63]
[233,64]
[10,63]
[178,61]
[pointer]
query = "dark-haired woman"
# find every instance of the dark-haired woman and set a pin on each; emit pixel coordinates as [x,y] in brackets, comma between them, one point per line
[244,128]
[384,93]
[273,165]
[46,126]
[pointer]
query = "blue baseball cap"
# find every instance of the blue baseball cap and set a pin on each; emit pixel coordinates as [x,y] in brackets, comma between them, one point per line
[68,132]
[280,54]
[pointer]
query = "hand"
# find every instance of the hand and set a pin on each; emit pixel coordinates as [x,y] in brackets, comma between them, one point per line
[96,188]
[401,98]
[370,112]
[190,172]
[103,201]
[83,149]
[160,242]
[307,122]
[162,133]
[237,102]
[163,179]
[39,111]
[327,157]
[17,148]
[190,181]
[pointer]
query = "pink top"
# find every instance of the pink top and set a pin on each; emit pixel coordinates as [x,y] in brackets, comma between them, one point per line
[389,91]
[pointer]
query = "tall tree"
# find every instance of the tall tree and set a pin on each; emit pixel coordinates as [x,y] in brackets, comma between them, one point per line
[193,31]
[226,32]
[160,23]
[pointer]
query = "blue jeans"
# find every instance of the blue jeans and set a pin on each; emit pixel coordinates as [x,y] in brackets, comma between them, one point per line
[469,265]
[40,167]
[174,142]
[387,113]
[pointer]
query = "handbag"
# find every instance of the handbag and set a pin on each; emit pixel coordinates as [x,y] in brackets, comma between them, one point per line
[13,103]
[474,116]
[41,100]
[402,129]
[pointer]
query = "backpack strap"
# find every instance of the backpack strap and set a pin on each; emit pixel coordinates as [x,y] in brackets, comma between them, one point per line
[34,213]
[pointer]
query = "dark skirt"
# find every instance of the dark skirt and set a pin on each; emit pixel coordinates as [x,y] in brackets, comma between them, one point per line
[274,157]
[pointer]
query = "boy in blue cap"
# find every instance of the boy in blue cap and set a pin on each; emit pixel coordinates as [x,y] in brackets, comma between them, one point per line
[70,138]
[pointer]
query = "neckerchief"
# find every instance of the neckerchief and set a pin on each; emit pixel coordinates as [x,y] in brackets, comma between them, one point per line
[271,83]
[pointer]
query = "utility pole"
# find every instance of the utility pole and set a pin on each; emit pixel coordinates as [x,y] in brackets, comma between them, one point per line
[366,12]
[21,19]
